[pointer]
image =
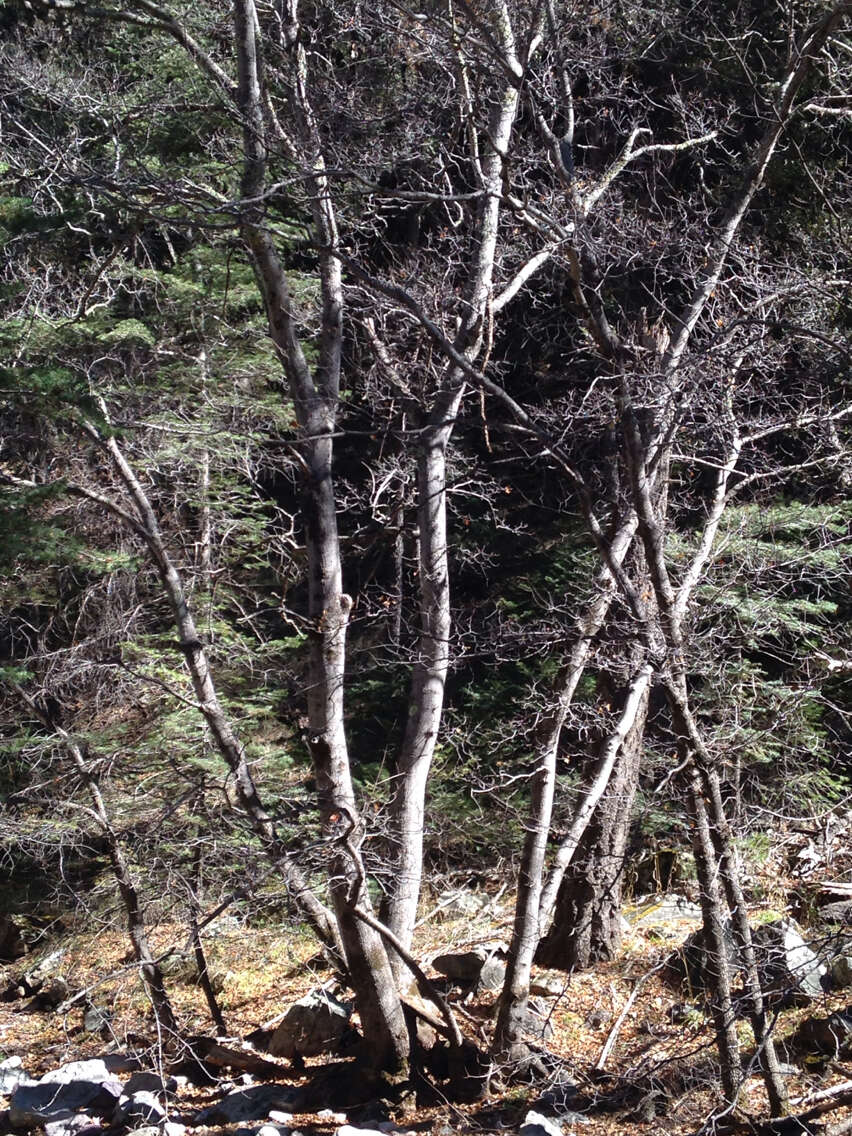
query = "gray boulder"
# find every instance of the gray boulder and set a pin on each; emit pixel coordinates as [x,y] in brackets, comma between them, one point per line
[839,912]
[255,1103]
[841,972]
[789,970]
[492,974]
[51,995]
[315,1024]
[831,1036]
[62,1093]
[536,1021]
[79,1125]
[147,1082]
[461,966]
[12,1074]
[139,1108]
[94,1070]
[663,911]
[461,902]
[697,965]
[478,967]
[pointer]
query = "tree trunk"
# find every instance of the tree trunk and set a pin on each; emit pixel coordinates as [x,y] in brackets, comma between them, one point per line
[530,914]
[586,927]
[715,946]
[149,970]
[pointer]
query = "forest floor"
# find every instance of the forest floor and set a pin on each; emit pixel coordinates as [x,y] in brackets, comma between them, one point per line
[660,1075]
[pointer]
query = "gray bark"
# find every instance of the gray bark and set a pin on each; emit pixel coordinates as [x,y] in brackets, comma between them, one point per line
[315,396]
[426,700]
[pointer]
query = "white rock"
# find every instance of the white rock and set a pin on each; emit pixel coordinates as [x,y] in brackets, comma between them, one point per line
[537,1125]
[94,1071]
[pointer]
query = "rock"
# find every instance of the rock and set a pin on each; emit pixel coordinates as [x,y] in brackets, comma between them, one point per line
[547,987]
[831,1036]
[96,1019]
[789,969]
[598,1018]
[12,945]
[43,970]
[663,911]
[315,1024]
[560,1095]
[146,1082]
[840,912]
[536,1022]
[841,972]
[491,975]
[121,1062]
[461,902]
[12,1074]
[537,1125]
[271,1130]
[248,1104]
[95,1070]
[52,994]
[348,1130]
[279,1117]
[79,1125]
[331,1116]
[698,966]
[140,1108]
[62,1093]
[462,966]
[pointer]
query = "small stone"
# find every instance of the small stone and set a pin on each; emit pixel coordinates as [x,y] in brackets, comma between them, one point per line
[278,1117]
[334,1117]
[547,987]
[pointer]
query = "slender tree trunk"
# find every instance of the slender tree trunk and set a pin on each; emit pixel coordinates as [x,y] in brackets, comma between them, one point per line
[426,699]
[722,837]
[198,947]
[145,524]
[715,945]
[586,926]
[149,970]
[529,911]
[315,391]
